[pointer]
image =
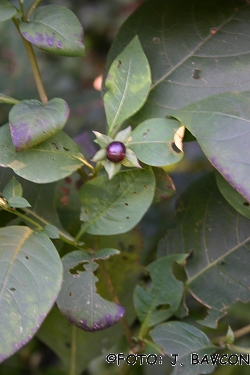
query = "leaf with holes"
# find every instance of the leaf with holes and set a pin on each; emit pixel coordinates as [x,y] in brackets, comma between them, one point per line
[55,29]
[7,10]
[78,300]
[125,271]
[221,126]
[199,51]
[30,279]
[162,300]
[152,142]
[117,205]
[49,161]
[128,83]
[218,240]
[190,345]
[31,122]
[164,185]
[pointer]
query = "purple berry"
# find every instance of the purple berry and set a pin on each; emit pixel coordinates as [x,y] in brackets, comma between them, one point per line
[116,152]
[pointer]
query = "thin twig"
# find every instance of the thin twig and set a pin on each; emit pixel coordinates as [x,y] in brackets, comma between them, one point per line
[34,65]
[240,332]
[32,8]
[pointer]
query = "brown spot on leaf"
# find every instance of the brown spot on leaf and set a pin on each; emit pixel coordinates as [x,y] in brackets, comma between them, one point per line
[156,40]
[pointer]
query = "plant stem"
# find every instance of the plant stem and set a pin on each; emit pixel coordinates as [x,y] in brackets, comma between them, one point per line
[123,321]
[21,9]
[34,65]
[62,236]
[84,161]
[240,332]
[238,349]
[32,8]
[73,352]
[36,71]
[4,205]
[83,174]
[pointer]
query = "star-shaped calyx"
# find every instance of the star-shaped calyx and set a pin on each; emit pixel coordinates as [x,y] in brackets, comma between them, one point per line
[115,152]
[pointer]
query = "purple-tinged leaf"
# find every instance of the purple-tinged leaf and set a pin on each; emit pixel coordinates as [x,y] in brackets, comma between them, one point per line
[31,122]
[55,29]
[49,161]
[220,124]
[78,300]
[30,279]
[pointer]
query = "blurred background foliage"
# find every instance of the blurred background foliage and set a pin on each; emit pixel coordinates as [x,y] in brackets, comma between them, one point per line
[72,79]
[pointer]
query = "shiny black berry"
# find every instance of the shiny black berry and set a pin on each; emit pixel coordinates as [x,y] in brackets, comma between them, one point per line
[116,152]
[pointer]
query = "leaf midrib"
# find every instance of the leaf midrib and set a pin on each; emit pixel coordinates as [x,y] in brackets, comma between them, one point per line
[106,209]
[194,50]
[25,237]
[215,262]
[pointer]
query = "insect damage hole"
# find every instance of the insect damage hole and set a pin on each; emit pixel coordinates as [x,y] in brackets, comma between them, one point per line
[196,74]
[175,148]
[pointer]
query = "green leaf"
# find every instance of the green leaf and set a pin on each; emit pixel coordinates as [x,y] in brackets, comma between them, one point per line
[220,124]
[51,231]
[12,189]
[4,98]
[31,122]
[218,241]
[42,199]
[152,142]
[78,300]
[64,339]
[49,161]
[31,275]
[165,294]
[7,10]
[128,83]
[117,205]
[193,53]
[104,254]
[230,194]
[55,29]
[230,336]
[18,202]
[189,343]
[164,185]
